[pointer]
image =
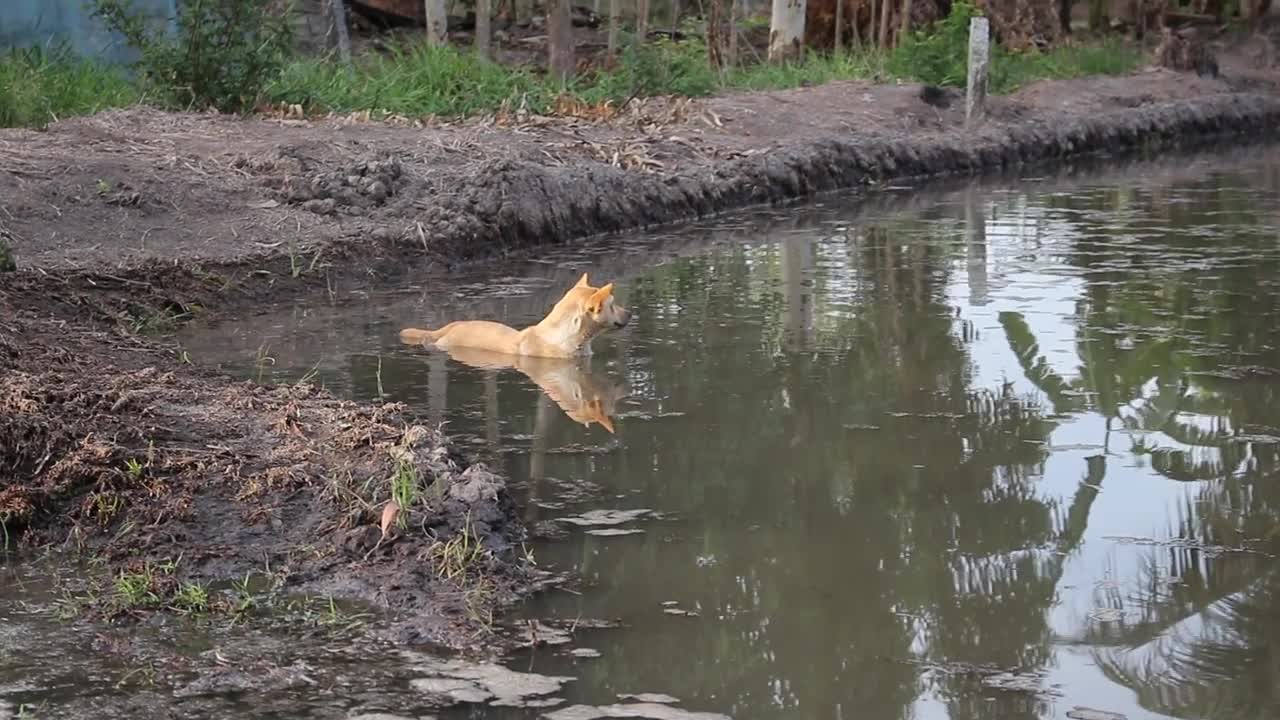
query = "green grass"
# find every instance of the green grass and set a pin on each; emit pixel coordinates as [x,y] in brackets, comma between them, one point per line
[1110,57]
[414,81]
[451,83]
[418,81]
[38,87]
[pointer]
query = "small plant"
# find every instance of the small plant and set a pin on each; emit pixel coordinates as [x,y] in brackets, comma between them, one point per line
[107,505]
[404,488]
[262,360]
[134,468]
[191,598]
[454,559]
[146,587]
[222,56]
[134,589]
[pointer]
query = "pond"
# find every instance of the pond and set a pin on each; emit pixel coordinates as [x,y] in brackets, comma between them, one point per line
[1003,450]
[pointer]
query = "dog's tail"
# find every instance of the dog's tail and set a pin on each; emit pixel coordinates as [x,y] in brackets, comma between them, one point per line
[418,336]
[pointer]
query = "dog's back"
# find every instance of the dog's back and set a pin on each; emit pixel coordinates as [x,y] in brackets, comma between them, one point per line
[473,333]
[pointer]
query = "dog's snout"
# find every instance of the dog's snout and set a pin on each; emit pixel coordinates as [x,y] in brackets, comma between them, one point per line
[623,318]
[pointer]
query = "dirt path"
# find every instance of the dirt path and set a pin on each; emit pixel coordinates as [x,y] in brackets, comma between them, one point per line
[127,223]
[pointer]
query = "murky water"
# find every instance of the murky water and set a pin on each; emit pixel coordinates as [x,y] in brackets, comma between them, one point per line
[998,452]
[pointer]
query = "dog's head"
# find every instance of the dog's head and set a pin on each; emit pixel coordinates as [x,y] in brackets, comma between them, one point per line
[600,306]
[586,311]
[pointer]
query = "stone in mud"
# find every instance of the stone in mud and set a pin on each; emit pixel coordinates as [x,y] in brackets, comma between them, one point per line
[652,711]
[476,485]
[451,691]
[320,207]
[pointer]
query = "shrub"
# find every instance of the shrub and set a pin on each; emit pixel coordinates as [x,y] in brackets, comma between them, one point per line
[223,53]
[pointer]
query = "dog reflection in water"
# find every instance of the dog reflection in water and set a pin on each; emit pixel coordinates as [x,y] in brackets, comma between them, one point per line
[585,397]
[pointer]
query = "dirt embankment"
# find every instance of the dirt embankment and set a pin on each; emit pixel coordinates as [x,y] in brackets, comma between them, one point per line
[128,223]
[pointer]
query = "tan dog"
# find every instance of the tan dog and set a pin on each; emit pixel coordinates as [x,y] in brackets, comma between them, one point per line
[583,313]
[583,397]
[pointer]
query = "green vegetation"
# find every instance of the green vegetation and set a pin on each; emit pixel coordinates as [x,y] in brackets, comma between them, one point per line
[223,53]
[207,64]
[38,87]
[937,55]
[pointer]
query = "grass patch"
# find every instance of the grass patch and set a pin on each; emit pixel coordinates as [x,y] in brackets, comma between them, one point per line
[39,87]
[410,81]
[1109,57]
[416,80]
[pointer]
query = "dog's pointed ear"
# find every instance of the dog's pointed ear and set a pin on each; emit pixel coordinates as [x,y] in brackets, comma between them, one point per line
[597,409]
[596,301]
[582,281]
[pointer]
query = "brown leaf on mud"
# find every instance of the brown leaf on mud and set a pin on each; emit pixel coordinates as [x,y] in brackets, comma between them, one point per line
[291,423]
[389,515]
[569,106]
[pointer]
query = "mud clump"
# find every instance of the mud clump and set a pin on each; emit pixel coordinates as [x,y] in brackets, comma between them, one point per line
[352,189]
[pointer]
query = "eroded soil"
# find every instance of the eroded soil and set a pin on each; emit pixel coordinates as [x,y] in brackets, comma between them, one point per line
[128,223]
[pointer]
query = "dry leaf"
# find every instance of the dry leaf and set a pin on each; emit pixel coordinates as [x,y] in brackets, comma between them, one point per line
[389,515]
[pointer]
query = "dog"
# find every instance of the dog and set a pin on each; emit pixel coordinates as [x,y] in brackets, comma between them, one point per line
[581,315]
[584,397]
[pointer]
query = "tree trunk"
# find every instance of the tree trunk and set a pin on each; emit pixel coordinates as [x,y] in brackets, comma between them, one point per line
[615,19]
[675,17]
[838,43]
[906,19]
[871,25]
[559,39]
[715,34]
[886,9]
[339,15]
[733,32]
[1064,15]
[484,15]
[786,30]
[1098,15]
[437,22]
[642,21]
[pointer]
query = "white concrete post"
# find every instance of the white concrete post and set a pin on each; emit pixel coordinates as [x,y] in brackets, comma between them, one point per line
[979,59]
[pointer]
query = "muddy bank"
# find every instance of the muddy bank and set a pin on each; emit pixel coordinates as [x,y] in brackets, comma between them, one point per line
[168,477]
[127,224]
[151,218]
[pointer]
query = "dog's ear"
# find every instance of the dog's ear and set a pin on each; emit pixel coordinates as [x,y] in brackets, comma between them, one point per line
[597,410]
[582,281]
[596,301]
